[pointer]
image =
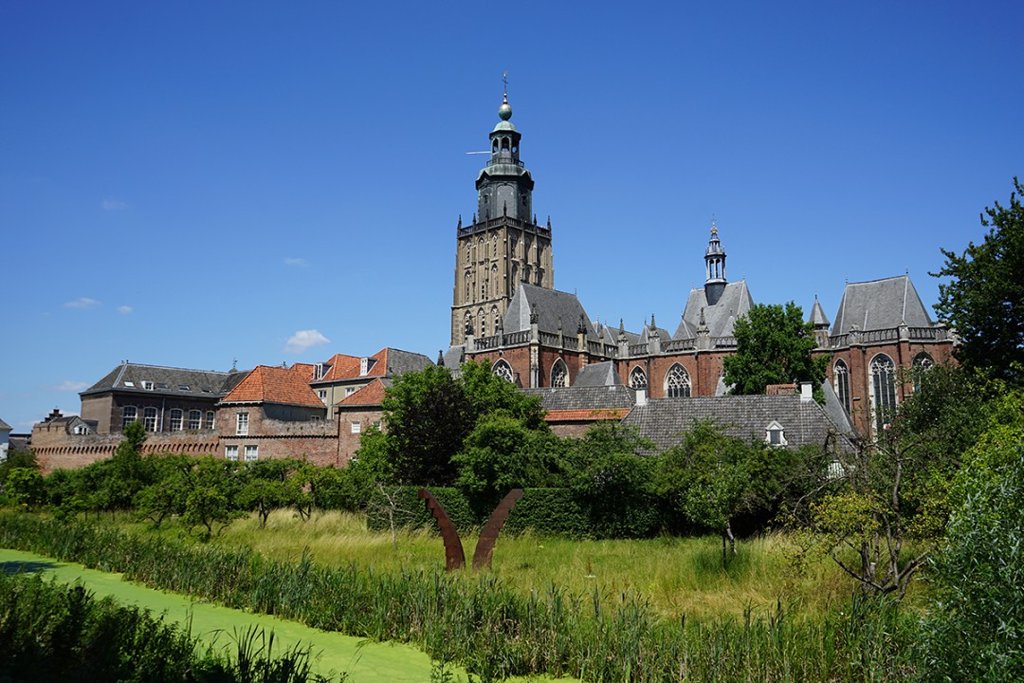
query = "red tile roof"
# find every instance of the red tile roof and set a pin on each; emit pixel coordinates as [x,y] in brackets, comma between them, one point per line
[370,395]
[589,415]
[272,384]
[347,367]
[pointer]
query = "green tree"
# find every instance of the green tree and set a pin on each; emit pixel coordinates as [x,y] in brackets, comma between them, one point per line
[502,453]
[612,478]
[427,415]
[487,393]
[773,346]
[128,472]
[16,460]
[267,485]
[711,479]
[26,487]
[207,503]
[165,497]
[976,625]
[984,300]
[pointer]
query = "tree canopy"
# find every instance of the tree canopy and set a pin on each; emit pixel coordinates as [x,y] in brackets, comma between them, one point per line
[984,300]
[773,346]
[429,415]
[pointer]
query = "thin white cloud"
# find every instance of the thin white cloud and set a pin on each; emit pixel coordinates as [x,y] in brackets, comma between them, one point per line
[113,205]
[71,385]
[296,262]
[82,303]
[124,310]
[304,340]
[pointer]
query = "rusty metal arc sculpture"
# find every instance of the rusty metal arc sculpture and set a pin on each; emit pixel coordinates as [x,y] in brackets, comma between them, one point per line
[493,527]
[454,556]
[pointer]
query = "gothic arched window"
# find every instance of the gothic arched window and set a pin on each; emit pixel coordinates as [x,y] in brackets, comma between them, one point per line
[841,381]
[922,363]
[638,378]
[883,390]
[677,382]
[559,374]
[495,317]
[481,323]
[503,370]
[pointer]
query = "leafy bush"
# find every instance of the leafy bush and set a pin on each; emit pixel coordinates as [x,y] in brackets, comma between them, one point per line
[977,624]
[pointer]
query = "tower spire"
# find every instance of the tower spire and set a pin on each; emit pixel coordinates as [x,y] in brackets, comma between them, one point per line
[714,264]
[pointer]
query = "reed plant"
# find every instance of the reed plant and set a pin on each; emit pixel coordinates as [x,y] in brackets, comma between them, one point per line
[492,628]
[55,632]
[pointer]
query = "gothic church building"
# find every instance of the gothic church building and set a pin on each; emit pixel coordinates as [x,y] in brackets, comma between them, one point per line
[507,312]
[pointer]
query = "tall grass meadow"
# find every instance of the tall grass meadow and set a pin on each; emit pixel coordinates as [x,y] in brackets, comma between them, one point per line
[494,629]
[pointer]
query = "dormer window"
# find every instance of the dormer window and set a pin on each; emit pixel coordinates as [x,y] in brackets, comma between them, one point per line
[147,385]
[364,365]
[774,434]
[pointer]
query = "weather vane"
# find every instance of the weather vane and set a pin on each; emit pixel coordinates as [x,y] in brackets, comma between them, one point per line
[504,80]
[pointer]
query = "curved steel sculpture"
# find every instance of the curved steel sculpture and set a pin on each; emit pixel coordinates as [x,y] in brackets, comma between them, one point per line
[454,556]
[489,534]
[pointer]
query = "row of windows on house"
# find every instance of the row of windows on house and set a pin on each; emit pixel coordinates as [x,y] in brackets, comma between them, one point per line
[151,419]
[251,453]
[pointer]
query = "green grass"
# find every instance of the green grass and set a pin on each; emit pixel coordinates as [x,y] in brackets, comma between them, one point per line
[676,576]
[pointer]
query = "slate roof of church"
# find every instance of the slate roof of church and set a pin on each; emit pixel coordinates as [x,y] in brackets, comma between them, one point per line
[453,357]
[554,309]
[598,375]
[168,381]
[585,398]
[818,316]
[734,302]
[664,334]
[665,420]
[274,384]
[880,305]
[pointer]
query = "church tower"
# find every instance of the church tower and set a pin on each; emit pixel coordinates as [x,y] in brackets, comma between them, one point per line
[503,245]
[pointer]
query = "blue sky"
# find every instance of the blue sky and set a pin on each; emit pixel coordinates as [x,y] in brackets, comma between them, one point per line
[191,184]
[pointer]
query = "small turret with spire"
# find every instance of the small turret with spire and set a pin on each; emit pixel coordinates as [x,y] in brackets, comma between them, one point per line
[714,263]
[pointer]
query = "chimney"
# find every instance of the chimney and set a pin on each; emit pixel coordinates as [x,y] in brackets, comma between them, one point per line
[641,397]
[806,391]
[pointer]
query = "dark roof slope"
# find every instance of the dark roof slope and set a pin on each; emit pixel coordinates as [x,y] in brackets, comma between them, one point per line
[665,420]
[555,310]
[585,398]
[598,375]
[4,427]
[720,318]
[129,377]
[880,305]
